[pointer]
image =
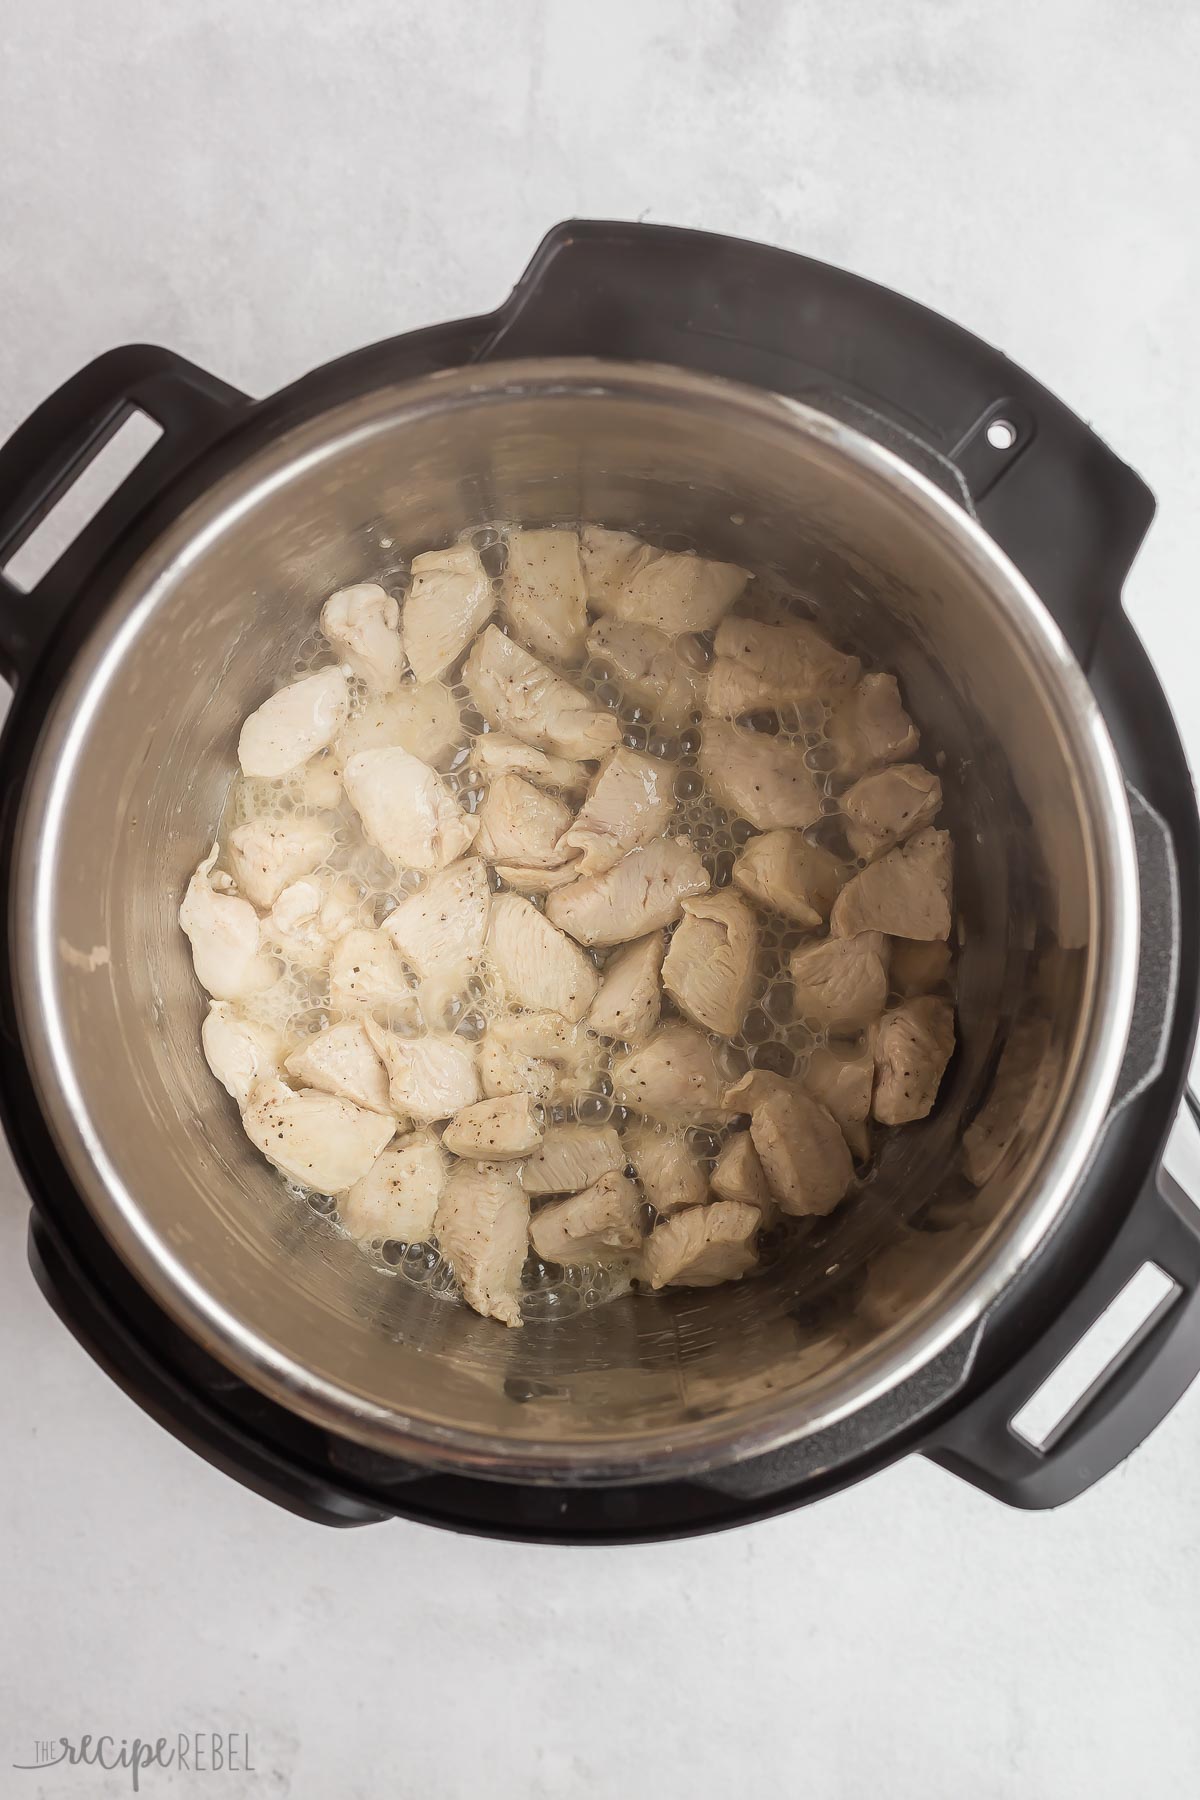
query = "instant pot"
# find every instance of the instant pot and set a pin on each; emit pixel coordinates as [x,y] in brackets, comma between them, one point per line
[937,508]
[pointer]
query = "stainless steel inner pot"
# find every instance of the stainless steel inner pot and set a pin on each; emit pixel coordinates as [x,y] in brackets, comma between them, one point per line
[131,777]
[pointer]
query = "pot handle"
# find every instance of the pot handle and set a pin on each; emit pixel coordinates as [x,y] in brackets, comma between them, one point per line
[45,455]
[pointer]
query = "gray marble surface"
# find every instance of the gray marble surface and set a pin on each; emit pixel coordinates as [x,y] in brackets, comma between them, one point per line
[263,187]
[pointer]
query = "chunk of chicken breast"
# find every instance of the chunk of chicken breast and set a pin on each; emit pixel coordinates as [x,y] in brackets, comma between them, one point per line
[869,726]
[761,778]
[738,1174]
[890,805]
[628,1004]
[672,1077]
[223,930]
[765,666]
[744,1095]
[571,1157]
[406,809]
[536,963]
[366,976]
[703,1246]
[782,870]
[711,963]
[544,593]
[429,1077]
[673,592]
[294,724]
[844,1085]
[506,1070]
[496,1130]
[601,1221]
[913,1044]
[841,982]
[450,598]
[667,1167]
[398,1196]
[645,891]
[311,916]
[917,967]
[535,881]
[495,753]
[482,1227]
[605,556]
[420,717]
[266,855]
[540,1054]
[521,825]
[651,667]
[362,624]
[341,1060]
[518,694]
[628,805]
[906,893]
[323,1142]
[439,930]
[804,1156]
[239,1051]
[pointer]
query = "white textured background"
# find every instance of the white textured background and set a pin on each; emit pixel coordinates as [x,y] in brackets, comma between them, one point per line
[262,186]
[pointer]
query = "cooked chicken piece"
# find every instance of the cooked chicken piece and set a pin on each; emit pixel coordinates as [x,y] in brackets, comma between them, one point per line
[869,726]
[841,981]
[890,805]
[703,1246]
[224,933]
[605,556]
[450,598]
[918,967]
[628,1004]
[521,825]
[518,694]
[645,891]
[764,666]
[406,809]
[843,1085]
[421,717]
[362,624]
[294,724]
[744,1095]
[494,753]
[545,597]
[650,668]
[539,1053]
[672,1077]
[238,1051]
[906,893]
[672,592]
[1021,1092]
[504,1069]
[782,870]
[429,1077]
[738,1174]
[341,1060]
[710,966]
[538,965]
[535,881]
[310,916]
[267,854]
[912,1047]
[571,1157]
[367,976]
[439,930]
[761,778]
[482,1228]
[548,1033]
[628,805]
[398,1196]
[804,1156]
[322,1142]
[599,1222]
[667,1166]
[495,1130]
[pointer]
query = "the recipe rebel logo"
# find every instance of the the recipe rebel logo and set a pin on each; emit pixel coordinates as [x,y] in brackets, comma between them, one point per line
[193,1752]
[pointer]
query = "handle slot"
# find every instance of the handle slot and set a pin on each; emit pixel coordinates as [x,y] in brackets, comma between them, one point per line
[102,466]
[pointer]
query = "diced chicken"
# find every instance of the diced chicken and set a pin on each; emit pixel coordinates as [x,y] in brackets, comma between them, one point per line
[224,933]
[521,825]
[744,1095]
[605,556]
[571,1157]
[406,809]
[318,1140]
[645,891]
[628,1004]
[519,694]
[548,1033]
[1019,1099]
[362,624]
[672,1077]
[841,982]
[536,881]
[804,1156]
[429,1077]
[890,805]
[844,1085]
[420,717]
[738,1174]
[766,666]
[650,667]
[266,855]
[482,1227]
[912,1047]
[294,724]
[628,805]
[758,777]
[536,963]
[503,1069]
[311,916]
[494,753]
[540,1054]
[545,597]
[449,600]
[917,968]
[600,1221]
[240,1052]
[703,1246]
[668,1168]
[710,965]
[782,870]
[341,1060]
[398,1196]
[367,976]
[495,1130]
[672,592]
[869,726]
[439,930]
[906,893]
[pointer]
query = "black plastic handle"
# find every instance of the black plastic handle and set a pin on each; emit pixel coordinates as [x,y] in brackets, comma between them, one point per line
[56,443]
